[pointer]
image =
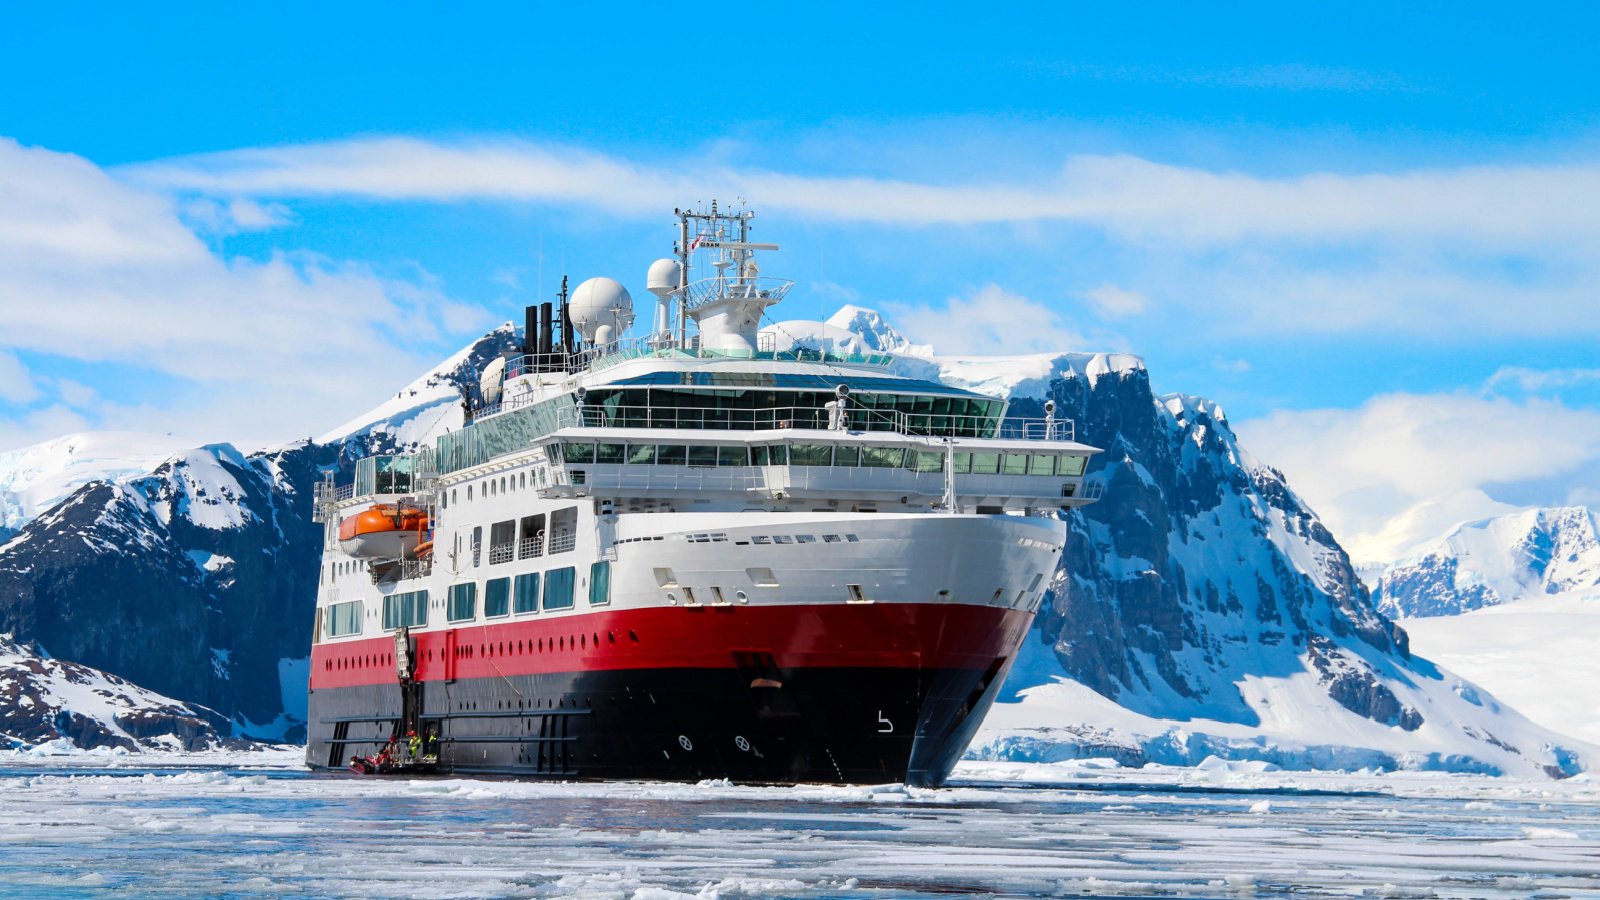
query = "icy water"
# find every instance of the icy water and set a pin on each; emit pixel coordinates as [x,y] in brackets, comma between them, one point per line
[121,827]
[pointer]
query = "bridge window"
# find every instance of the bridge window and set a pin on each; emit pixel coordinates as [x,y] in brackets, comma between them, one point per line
[641,454]
[1016,464]
[883,457]
[611,454]
[810,454]
[671,454]
[1071,466]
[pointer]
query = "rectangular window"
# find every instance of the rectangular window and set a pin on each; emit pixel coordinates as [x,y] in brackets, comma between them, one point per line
[1016,464]
[463,603]
[578,453]
[527,593]
[703,456]
[600,583]
[344,618]
[611,454]
[963,463]
[732,456]
[409,610]
[641,454]
[847,455]
[985,463]
[558,588]
[477,545]
[670,455]
[497,597]
[883,457]
[928,461]
[1042,464]
[1071,466]
[758,455]
[811,454]
[780,455]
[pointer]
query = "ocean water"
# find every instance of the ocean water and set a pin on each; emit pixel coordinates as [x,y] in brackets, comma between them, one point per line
[259,826]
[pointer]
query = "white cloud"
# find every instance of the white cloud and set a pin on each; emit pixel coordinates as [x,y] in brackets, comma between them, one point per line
[1112,302]
[1125,194]
[109,275]
[16,383]
[1402,467]
[1533,380]
[993,320]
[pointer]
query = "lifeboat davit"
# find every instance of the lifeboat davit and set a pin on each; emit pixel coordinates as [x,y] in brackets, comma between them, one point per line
[385,531]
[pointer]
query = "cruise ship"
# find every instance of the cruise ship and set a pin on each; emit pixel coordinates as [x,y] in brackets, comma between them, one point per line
[687,550]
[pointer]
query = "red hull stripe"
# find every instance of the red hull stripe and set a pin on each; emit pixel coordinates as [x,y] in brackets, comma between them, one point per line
[876,635]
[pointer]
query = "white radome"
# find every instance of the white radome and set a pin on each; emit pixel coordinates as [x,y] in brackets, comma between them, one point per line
[664,276]
[600,301]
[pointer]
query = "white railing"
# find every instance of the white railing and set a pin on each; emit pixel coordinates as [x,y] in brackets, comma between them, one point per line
[672,478]
[530,547]
[778,418]
[562,542]
[502,553]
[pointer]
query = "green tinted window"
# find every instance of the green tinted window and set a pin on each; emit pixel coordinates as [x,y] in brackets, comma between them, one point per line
[578,453]
[963,463]
[883,457]
[847,455]
[1071,465]
[759,456]
[671,454]
[558,588]
[985,463]
[641,454]
[600,583]
[527,599]
[463,603]
[609,453]
[1042,464]
[929,461]
[702,456]
[811,454]
[1016,464]
[733,456]
[497,597]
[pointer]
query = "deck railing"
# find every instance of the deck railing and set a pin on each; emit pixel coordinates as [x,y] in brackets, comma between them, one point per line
[858,418]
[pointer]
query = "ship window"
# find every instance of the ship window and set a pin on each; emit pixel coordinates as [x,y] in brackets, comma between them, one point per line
[985,463]
[527,593]
[497,597]
[847,455]
[600,583]
[469,493]
[830,539]
[444,500]
[1042,464]
[811,454]
[463,602]
[1071,465]
[609,453]
[703,456]
[344,618]
[780,455]
[477,543]
[671,454]
[856,596]
[732,456]
[558,588]
[759,455]
[852,538]
[578,453]
[762,577]
[408,610]
[882,457]
[1016,464]
[641,454]
[927,461]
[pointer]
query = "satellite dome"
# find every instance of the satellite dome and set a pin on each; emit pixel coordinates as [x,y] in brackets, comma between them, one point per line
[597,302]
[664,276]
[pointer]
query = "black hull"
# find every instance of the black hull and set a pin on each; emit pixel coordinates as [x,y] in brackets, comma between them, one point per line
[753,723]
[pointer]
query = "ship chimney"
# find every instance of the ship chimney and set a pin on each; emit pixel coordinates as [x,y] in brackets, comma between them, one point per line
[546,331]
[530,330]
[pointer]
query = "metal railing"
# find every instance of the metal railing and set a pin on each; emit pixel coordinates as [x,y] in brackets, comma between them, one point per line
[673,478]
[530,547]
[711,290]
[859,419]
[662,346]
[563,542]
[502,553]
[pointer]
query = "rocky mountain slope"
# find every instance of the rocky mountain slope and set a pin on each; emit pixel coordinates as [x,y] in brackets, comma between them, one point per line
[1523,555]
[46,701]
[198,579]
[1200,596]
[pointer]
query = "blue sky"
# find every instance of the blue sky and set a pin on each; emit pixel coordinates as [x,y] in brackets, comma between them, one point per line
[1369,232]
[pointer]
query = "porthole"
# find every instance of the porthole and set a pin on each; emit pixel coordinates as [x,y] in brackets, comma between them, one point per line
[741,596]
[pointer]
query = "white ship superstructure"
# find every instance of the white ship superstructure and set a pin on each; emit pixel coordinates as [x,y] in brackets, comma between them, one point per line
[687,555]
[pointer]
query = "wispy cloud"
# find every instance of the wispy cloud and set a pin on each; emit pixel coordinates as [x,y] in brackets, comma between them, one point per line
[109,275]
[1127,195]
[991,320]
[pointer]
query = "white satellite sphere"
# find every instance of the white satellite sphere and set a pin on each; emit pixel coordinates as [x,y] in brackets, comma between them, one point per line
[664,276]
[600,301]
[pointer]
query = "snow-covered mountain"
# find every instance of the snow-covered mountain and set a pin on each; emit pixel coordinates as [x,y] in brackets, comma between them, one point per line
[197,577]
[45,701]
[1527,554]
[1200,594]
[33,479]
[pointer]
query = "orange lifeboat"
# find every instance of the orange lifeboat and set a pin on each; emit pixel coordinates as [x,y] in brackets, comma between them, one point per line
[385,531]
